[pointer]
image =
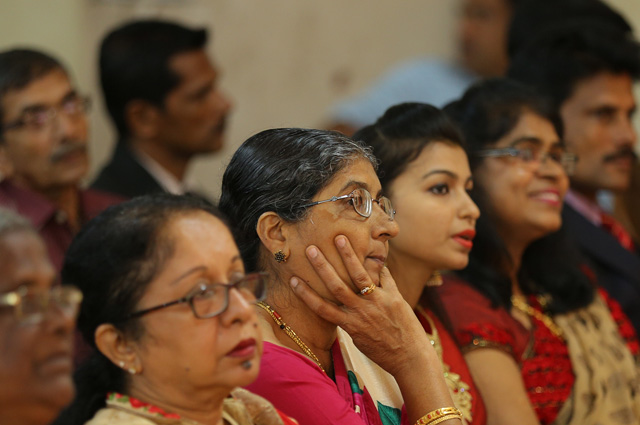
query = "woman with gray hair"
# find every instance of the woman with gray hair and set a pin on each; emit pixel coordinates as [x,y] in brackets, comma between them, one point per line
[36,328]
[306,206]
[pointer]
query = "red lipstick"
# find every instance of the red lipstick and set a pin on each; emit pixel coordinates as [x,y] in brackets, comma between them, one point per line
[245,348]
[465,238]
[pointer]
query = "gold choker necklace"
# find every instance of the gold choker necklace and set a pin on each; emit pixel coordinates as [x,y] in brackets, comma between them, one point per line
[282,325]
[520,303]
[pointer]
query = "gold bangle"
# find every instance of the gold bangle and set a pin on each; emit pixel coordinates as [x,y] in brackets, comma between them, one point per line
[438,413]
[445,418]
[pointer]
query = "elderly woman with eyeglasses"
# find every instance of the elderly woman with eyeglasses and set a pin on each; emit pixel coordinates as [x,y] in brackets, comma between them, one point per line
[36,328]
[170,311]
[542,343]
[306,207]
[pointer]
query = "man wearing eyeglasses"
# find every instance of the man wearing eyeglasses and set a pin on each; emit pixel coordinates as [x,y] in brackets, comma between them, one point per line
[43,139]
[588,69]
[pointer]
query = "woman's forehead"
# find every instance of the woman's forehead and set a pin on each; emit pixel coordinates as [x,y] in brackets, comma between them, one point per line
[356,173]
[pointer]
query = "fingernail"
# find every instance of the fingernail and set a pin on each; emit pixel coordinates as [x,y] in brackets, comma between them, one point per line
[313,252]
[341,241]
[294,282]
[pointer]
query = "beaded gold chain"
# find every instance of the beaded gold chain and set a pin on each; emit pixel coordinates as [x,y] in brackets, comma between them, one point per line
[290,332]
[519,302]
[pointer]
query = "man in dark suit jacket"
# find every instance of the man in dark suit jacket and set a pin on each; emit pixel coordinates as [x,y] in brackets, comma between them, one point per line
[588,69]
[160,90]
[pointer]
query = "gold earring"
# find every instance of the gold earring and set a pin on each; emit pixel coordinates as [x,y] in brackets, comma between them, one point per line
[435,279]
[279,256]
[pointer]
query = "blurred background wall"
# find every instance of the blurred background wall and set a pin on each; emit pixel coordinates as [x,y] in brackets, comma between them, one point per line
[283,62]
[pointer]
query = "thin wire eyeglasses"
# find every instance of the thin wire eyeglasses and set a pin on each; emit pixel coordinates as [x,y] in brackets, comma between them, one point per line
[210,300]
[527,155]
[42,117]
[30,306]
[362,203]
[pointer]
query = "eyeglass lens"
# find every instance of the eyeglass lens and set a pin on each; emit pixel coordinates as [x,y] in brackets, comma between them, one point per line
[42,117]
[363,203]
[213,299]
[557,154]
[33,305]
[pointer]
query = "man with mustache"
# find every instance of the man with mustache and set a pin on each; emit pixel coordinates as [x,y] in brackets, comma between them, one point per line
[160,89]
[43,141]
[588,69]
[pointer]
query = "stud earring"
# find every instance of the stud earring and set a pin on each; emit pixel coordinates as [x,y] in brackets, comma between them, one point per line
[121,364]
[132,370]
[435,280]
[279,256]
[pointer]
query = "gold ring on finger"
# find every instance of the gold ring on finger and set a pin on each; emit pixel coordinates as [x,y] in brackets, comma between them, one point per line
[368,290]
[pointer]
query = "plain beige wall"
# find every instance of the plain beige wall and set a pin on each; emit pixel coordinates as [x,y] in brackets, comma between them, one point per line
[284,61]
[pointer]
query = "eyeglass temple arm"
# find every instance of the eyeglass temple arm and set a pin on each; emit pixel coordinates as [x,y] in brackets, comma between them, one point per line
[332,199]
[497,152]
[158,307]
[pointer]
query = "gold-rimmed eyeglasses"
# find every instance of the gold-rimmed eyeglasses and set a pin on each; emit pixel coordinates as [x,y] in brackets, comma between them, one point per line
[30,305]
[362,203]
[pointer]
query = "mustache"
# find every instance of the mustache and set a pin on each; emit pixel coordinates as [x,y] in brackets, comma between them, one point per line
[624,152]
[66,149]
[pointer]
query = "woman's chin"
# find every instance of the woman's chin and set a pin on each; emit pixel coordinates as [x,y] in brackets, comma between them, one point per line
[248,373]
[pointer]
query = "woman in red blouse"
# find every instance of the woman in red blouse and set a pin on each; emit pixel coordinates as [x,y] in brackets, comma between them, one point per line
[543,345]
[424,170]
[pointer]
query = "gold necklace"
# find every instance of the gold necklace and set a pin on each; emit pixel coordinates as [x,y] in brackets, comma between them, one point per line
[520,302]
[278,319]
[459,390]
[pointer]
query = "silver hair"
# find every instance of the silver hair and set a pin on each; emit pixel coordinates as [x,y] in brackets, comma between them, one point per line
[11,222]
[281,170]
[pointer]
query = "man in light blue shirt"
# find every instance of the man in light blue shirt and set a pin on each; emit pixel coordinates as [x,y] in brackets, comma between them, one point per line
[482,35]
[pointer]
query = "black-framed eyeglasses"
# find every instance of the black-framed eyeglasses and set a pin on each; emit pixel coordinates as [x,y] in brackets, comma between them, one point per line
[210,300]
[30,305]
[563,158]
[362,202]
[41,117]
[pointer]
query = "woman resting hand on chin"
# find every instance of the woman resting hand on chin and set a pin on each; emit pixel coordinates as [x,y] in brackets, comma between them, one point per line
[170,311]
[306,206]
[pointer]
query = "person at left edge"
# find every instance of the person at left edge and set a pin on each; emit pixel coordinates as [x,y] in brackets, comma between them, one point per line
[43,140]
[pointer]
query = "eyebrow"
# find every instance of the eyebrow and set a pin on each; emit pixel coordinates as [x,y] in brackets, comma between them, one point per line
[198,269]
[537,141]
[39,106]
[202,90]
[358,184]
[447,172]
[530,139]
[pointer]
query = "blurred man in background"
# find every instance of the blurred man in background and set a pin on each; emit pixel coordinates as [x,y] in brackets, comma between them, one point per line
[161,91]
[482,52]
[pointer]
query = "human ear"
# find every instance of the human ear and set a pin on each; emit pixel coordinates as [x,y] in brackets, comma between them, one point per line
[142,119]
[271,229]
[113,344]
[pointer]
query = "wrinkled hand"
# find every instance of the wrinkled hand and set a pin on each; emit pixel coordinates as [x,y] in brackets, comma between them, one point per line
[381,323]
